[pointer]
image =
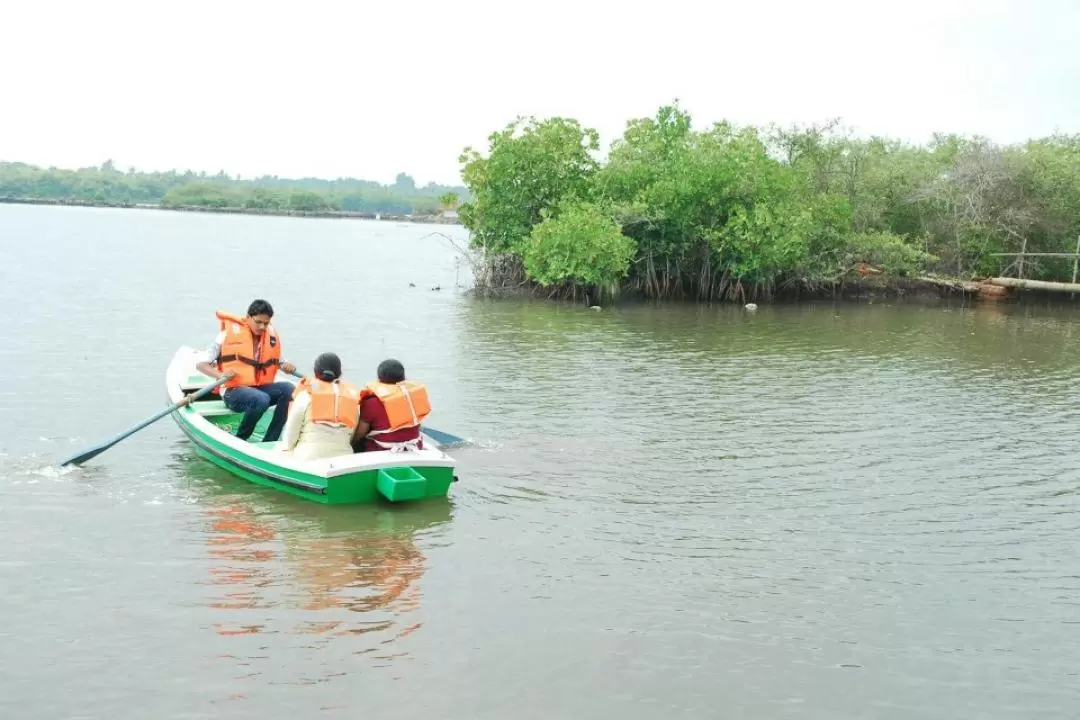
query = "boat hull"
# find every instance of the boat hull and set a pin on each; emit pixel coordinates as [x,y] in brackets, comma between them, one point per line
[366,477]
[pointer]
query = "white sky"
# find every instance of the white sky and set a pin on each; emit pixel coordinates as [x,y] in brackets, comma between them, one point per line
[368,89]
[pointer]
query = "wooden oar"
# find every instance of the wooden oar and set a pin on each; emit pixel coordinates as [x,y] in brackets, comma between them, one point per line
[98,449]
[442,438]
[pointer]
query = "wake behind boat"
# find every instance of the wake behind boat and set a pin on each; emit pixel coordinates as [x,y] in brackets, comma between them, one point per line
[354,478]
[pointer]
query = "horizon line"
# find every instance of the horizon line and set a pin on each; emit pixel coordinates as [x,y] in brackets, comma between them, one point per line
[133,170]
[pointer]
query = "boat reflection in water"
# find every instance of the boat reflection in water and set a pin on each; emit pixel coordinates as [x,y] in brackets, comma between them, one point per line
[285,565]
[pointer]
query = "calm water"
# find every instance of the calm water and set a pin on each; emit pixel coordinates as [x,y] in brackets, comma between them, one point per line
[828,511]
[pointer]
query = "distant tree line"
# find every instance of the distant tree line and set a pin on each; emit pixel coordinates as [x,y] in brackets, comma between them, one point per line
[745,212]
[106,185]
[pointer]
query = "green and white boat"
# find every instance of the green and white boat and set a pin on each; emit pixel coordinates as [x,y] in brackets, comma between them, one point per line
[356,478]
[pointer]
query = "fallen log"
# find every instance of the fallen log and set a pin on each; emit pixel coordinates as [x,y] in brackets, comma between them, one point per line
[1034,284]
[963,285]
[986,290]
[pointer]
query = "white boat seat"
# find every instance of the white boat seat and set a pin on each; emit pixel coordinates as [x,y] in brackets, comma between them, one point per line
[194,382]
[211,408]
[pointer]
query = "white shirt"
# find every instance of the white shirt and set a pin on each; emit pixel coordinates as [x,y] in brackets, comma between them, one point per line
[306,440]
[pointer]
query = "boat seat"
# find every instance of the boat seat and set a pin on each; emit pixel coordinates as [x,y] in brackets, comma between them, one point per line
[211,408]
[195,382]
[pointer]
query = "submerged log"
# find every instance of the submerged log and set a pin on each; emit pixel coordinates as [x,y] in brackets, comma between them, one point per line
[1034,284]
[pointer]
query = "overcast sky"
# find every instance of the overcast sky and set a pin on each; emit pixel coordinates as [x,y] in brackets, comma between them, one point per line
[368,90]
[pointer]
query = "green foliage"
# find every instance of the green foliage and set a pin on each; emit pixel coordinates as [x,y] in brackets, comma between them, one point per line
[528,169]
[579,244]
[266,199]
[889,252]
[107,185]
[728,211]
[308,201]
[202,193]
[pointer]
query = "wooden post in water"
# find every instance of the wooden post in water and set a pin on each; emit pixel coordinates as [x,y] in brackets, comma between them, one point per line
[1076,259]
[1020,269]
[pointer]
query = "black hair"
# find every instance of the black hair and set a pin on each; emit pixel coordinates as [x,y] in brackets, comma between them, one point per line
[260,307]
[328,367]
[391,371]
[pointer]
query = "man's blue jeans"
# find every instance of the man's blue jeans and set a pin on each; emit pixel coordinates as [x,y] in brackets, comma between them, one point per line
[253,402]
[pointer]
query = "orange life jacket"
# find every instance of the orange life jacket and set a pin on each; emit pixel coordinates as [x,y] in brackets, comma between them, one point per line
[406,403]
[336,404]
[238,352]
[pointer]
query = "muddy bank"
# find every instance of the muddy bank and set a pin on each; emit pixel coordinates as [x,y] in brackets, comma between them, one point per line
[869,288]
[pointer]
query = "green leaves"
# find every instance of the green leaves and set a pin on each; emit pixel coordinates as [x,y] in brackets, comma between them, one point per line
[448,201]
[531,166]
[889,252]
[580,244]
[763,240]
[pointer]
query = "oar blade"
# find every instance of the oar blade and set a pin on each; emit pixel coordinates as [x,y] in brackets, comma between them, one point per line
[86,455]
[98,449]
[443,438]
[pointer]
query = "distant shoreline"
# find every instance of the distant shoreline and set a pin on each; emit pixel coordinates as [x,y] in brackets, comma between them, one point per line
[335,214]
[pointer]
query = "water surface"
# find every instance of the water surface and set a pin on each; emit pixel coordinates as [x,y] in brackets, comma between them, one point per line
[821,511]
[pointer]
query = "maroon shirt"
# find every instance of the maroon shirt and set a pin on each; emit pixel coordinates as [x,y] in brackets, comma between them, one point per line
[374,414]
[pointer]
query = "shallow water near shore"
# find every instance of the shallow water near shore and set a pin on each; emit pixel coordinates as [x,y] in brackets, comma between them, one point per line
[822,510]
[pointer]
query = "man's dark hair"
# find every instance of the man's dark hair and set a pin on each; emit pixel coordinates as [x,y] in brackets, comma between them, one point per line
[260,307]
[391,371]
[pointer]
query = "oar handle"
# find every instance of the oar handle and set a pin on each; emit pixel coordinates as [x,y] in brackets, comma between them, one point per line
[97,450]
[204,391]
